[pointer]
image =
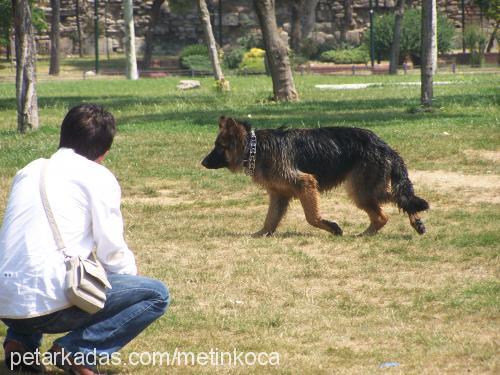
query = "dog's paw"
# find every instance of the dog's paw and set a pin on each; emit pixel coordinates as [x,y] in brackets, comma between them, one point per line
[419,226]
[367,233]
[262,233]
[334,227]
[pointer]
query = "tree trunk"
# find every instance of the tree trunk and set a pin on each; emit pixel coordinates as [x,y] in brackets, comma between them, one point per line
[429,28]
[434,49]
[276,51]
[309,18]
[211,45]
[396,41]
[128,15]
[78,27]
[55,37]
[27,104]
[296,25]
[492,38]
[346,22]
[148,44]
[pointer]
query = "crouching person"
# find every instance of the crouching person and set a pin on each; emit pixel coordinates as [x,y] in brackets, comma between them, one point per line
[84,198]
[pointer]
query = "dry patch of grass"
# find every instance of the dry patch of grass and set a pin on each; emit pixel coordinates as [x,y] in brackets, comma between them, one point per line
[493,156]
[468,188]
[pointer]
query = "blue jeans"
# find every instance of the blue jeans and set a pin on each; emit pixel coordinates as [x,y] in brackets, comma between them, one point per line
[132,304]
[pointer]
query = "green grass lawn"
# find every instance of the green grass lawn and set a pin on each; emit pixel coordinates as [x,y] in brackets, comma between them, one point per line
[326,304]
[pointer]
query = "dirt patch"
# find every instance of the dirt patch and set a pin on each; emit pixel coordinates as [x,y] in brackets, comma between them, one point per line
[493,156]
[163,197]
[474,188]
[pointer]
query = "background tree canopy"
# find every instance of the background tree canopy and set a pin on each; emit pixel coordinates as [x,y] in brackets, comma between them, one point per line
[38,19]
[410,35]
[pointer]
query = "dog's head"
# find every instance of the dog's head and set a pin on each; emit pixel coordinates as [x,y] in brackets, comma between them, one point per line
[230,145]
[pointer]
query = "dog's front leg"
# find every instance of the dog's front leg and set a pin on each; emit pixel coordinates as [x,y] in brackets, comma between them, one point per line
[278,205]
[309,198]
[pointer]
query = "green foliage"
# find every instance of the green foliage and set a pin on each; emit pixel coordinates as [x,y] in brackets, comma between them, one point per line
[313,50]
[37,19]
[297,60]
[253,61]
[309,48]
[251,40]
[197,63]
[475,40]
[490,8]
[357,55]
[181,6]
[195,57]
[194,49]
[5,21]
[410,34]
[234,57]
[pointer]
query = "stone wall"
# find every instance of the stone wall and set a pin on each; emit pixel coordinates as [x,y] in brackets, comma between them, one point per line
[175,30]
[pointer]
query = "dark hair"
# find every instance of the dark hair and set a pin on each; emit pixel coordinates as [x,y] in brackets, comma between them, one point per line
[89,130]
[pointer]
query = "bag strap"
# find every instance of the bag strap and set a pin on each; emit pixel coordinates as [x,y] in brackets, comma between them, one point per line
[48,210]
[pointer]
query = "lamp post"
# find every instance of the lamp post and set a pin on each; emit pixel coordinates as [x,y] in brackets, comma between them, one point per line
[220,23]
[462,4]
[96,32]
[106,27]
[372,36]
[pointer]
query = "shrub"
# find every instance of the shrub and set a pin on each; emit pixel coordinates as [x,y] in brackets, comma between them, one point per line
[255,53]
[195,57]
[475,40]
[312,49]
[197,62]
[234,57]
[253,61]
[194,49]
[410,35]
[297,60]
[309,48]
[357,55]
[251,40]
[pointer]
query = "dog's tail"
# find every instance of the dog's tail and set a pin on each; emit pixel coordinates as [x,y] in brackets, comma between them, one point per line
[404,196]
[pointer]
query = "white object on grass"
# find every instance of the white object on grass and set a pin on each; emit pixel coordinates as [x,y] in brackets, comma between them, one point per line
[188,84]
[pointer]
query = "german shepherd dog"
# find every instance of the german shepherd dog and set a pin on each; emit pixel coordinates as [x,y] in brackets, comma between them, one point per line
[301,163]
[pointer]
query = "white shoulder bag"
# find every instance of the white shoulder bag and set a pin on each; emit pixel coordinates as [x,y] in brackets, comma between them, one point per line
[86,280]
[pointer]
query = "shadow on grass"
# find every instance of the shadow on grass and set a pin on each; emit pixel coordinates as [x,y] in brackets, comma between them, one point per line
[312,113]
[49,370]
[287,234]
[297,119]
[302,114]
[297,234]
[85,64]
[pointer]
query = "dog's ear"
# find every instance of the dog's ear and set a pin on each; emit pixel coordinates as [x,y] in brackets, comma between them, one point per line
[222,122]
[227,123]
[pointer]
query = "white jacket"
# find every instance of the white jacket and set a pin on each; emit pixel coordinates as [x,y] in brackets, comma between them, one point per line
[85,198]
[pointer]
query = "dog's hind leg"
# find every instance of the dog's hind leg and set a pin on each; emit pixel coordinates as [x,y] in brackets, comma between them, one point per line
[368,192]
[377,218]
[278,205]
[309,198]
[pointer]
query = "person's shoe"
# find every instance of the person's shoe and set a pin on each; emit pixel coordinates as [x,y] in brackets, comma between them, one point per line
[14,349]
[69,367]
